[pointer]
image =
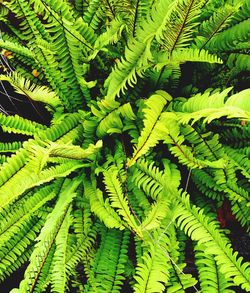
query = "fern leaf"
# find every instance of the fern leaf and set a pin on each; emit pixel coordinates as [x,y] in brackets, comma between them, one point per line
[19,125]
[73,152]
[109,263]
[10,191]
[112,123]
[118,199]
[148,178]
[239,62]
[150,135]
[112,34]
[78,251]
[139,13]
[180,56]
[58,276]
[31,91]
[211,279]
[230,38]
[195,224]
[47,237]
[102,208]
[178,280]
[125,73]
[15,247]
[23,210]
[94,14]
[16,48]
[186,157]
[213,106]
[82,221]
[137,52]
[152,272]
[10,147]
[156,214]
[180,30]
[219,21]
[12,165]
[65,124]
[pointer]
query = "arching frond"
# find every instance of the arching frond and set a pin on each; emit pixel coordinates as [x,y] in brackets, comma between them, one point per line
[209,273]
[52,230]
[109,263]
[213,106]
[19,125]
[118,199]
[179,31]
[151,132]
[152,272]
[32,91]
[195,224]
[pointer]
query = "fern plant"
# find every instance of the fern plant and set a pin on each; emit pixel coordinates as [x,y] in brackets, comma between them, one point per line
[105,185]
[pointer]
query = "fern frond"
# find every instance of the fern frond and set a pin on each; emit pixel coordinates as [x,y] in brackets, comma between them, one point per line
[15,249]
[102,208]
[230,38]
[186,157]
[179,280]
[202,229]
[213,106]
[220,20]
[45,275]
[63,125]
[152,272]
[207,185]
[16,48]
[243,12]
[12,165]
[19,125]
[139,12]
[30,23]
[211,279]
[239,62]
[157,213]
[10,191]
[10,147]
[118,198]
[180,56]
[79,251]
[73,152]
[58,274]
[240,160]
[13,217]
[32,91]
[111,35]
[112,123]
[150,179]
[48,236]
[179,31]
[241,212]
[125,73]
[137,52]
[151,132]
[109,264]
[82,221]
[94,14]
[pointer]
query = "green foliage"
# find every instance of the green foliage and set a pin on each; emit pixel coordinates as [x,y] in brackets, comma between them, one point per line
[97,199]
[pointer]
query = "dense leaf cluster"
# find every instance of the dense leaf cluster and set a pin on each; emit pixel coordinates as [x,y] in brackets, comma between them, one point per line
[106,185]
